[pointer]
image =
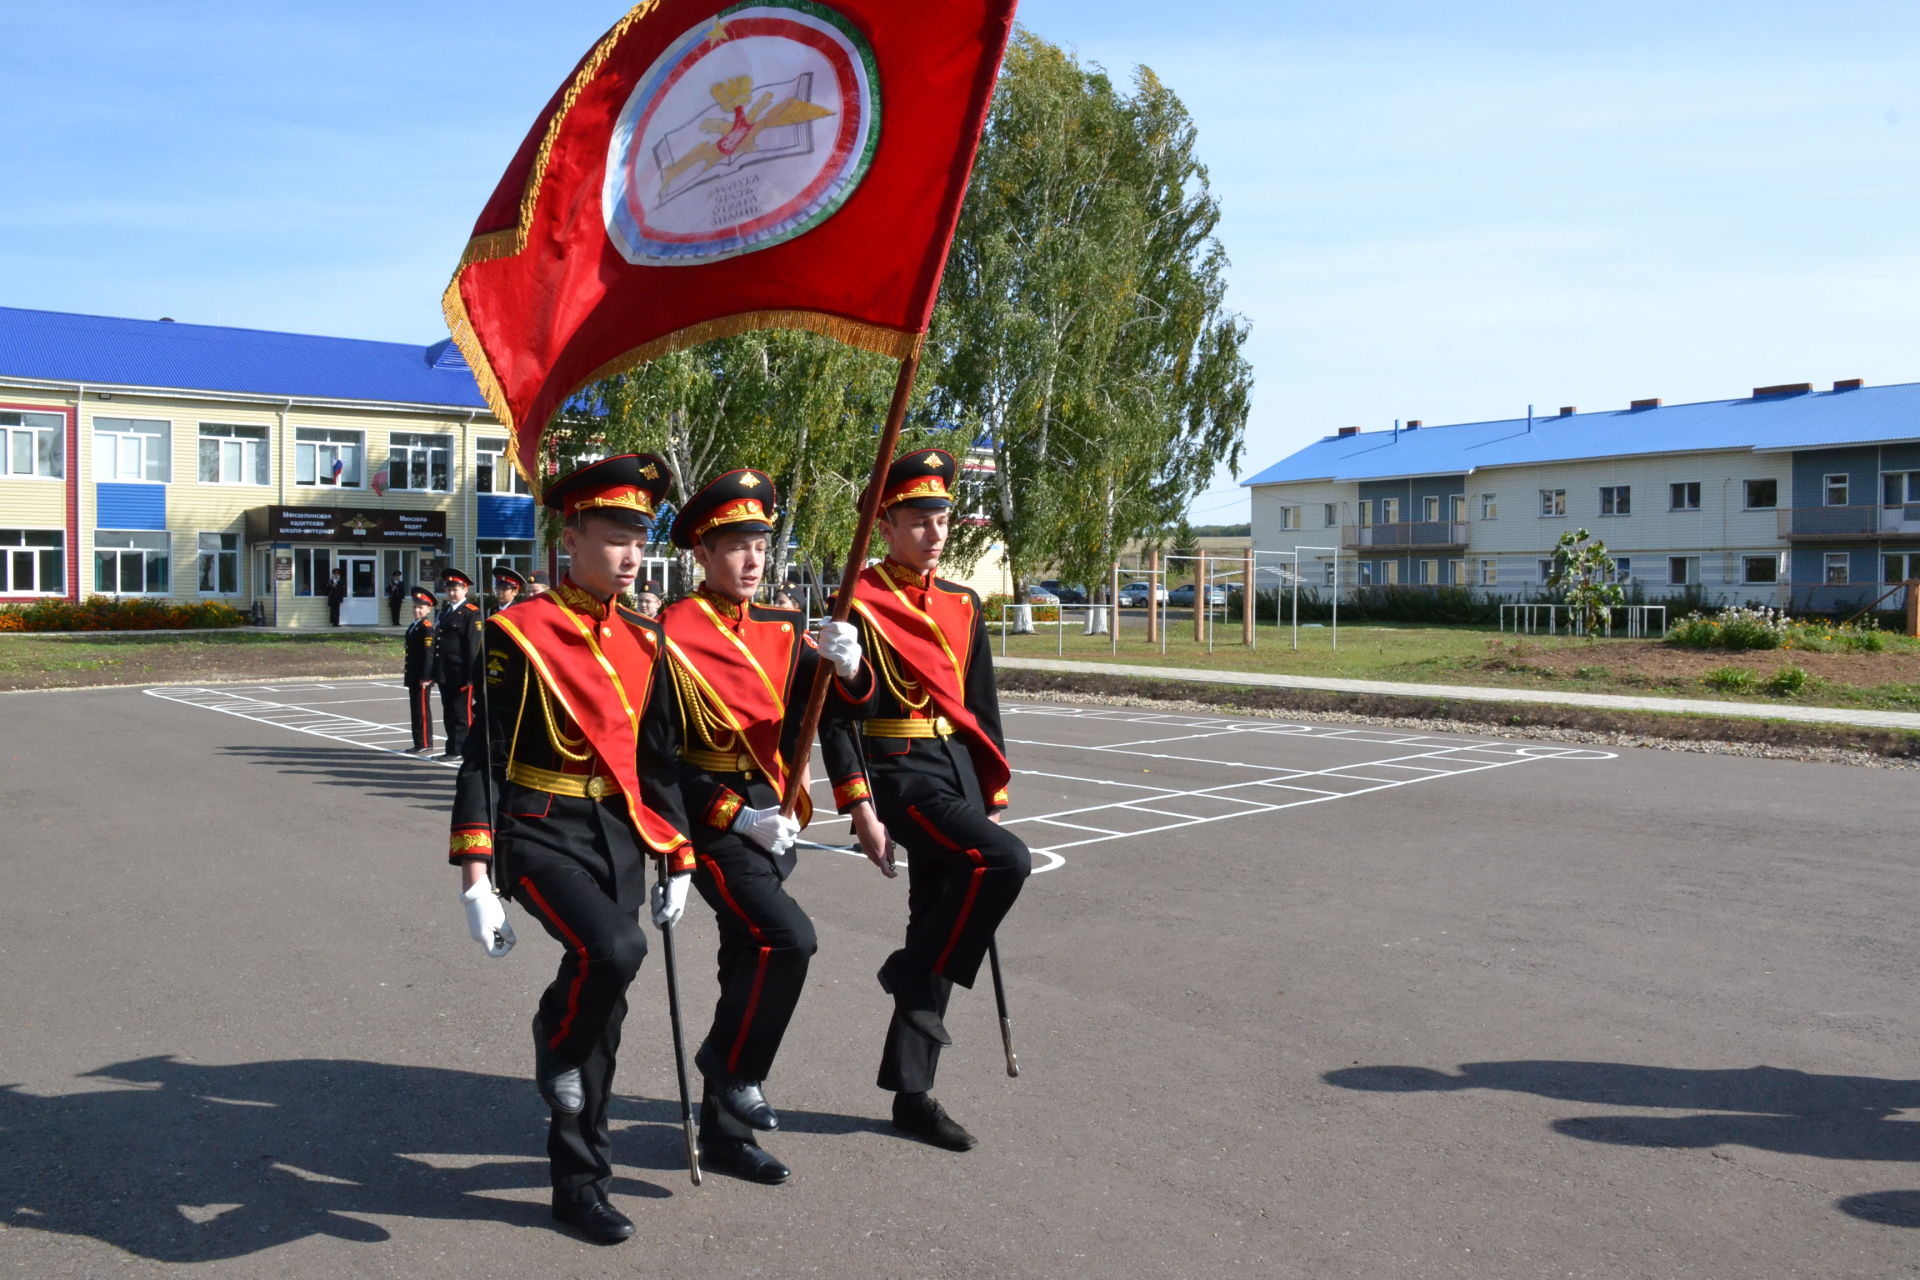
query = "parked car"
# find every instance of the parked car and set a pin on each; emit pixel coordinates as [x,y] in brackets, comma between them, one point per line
[1040,595]
[1216,596]
[1067,594]
[1136,594]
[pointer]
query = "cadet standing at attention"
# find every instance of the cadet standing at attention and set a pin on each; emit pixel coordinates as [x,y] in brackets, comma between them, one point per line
[737,667]
[419,669]
[581,746]
[456,651]
[930,769]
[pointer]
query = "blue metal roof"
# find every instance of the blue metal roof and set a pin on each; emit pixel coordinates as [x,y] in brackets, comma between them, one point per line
[1807,420]
[54,346]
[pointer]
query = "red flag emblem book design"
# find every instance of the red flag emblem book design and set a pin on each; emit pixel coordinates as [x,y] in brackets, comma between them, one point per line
[712,168]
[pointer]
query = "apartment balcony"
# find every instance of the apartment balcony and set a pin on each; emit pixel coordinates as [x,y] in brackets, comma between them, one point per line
[1406,535]
[1850,524]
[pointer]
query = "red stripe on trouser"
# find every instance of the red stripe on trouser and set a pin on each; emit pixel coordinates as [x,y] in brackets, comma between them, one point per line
[753,1003]
[426,716]
[973,883]
[579,949]
[469,706]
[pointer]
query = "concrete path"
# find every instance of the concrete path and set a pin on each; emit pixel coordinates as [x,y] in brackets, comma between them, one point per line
[1612,701]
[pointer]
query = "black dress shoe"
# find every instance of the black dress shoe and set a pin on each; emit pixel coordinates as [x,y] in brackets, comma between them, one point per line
[742,1159]
[743,1100]
[559,1081]
[595,1219]
[913,998]
[922,1116]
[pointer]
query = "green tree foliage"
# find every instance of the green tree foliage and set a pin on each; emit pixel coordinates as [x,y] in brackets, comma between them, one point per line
[1586,579]
[1083,333]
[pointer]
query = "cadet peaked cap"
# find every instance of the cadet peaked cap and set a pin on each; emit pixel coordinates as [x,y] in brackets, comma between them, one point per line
[627,487]
[539,577]
[740,501]
[922,478]
[420,595]
[454,575]
[510,575]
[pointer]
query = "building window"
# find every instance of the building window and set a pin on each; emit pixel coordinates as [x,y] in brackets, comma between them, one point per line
[1837,567]
[516,553]
[1683,571]
[1458,570]
[127,449]
[1430,510]
[312,566]
[1364,573]
[1289,517]
[232,455]
[1364,510]
[33,562]
[33,444]
[1329,567]
[1900,488]
[1902,567]
[1622,569]
[1684,496]
[1333,514]
[1458,505]
[1553,502]
[219,564]
[1389,511]
[1390,573]
[131,564]
[420,463]
[1489,573]
[1489,506]
[1616,499]
[1836,489]
[1429,571]
[1546,569]
[324,457]
[1759,570]
[1761,493]
[493,473]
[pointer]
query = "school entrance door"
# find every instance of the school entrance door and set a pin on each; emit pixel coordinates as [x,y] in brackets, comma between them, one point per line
[361,608]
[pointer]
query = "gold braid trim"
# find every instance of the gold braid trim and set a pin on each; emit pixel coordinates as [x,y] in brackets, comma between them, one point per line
[470,842]
[698,718]
[900,686]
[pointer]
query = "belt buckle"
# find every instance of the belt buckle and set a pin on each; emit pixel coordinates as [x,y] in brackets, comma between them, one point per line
[596,787]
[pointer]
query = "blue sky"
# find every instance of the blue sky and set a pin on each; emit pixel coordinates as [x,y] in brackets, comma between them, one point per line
[1441,212]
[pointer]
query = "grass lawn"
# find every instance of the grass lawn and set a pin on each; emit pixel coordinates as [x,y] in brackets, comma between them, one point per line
[43,662]
[1470,656]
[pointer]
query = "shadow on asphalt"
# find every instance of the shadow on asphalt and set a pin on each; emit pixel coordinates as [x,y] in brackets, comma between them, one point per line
[425,784]
[1767,1108]
[192,1163]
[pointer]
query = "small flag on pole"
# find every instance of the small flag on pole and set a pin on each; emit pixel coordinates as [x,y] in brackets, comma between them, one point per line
[711,168]
[339,465]
[379,483]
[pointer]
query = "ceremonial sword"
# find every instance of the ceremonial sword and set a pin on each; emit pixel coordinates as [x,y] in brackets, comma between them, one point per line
[679,1040]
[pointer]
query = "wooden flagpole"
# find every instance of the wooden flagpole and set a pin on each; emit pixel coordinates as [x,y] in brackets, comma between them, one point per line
[856,561]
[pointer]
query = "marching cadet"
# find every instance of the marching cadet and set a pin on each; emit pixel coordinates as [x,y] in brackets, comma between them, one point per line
[456,647]
[929,769]
[741,673]
[579,755]
[419,669]
[508,583]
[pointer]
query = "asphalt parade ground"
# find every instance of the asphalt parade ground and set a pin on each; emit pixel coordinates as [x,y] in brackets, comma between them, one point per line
[1289,1000]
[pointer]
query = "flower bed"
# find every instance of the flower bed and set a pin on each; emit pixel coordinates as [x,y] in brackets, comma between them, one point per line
[113,613]
[1738,630]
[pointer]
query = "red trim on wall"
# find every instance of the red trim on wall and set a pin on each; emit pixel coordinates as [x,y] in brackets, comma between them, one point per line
[72,415]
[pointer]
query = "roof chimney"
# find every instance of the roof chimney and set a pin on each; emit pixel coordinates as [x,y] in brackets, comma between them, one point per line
[1349,431]
[1784,389]
[166,319]
[1849,384]
[1654,403]
[1413,424]
[1567,410]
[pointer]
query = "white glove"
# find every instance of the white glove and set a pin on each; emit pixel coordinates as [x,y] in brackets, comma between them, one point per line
[487,919]
[768,828]
[840,645]
[670,899]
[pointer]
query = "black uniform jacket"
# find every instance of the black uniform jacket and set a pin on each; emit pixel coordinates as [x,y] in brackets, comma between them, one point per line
[718,686]
[457,645]
[535,755]
[419,668]
[860,762]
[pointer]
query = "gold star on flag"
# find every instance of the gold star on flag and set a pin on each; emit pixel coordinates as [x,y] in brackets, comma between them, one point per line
[719,33]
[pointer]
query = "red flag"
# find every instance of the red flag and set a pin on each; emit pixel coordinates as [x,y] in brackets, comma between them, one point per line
[711,168]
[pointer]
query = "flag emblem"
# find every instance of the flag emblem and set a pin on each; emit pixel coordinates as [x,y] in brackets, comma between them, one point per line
[745,132]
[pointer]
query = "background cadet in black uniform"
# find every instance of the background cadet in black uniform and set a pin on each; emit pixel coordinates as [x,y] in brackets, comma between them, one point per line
[586,779]
[419,669]
[397,594]
[508,586]
[928,769]
[456,660]
[742,672]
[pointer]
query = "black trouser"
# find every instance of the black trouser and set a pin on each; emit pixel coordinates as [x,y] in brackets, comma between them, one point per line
[964,873]
[456,706]
[766,942]
[420,712]
[333,611]
[582,1010]
[393,611]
